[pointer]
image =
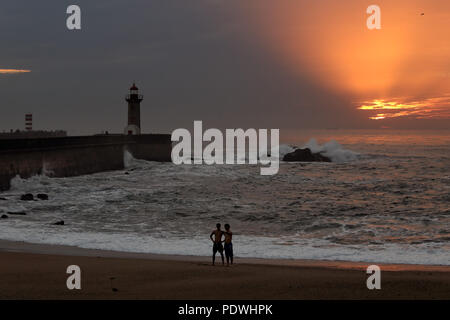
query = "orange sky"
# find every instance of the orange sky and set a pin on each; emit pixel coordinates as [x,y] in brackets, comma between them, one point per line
[401,70]
[13,71]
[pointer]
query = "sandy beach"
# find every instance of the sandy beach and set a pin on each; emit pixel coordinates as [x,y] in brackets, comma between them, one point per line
[30,271]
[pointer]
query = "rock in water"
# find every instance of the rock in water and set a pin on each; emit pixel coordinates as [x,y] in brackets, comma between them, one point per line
[27,197]
[42,196]
[59,223]
[305,155]
[4,216]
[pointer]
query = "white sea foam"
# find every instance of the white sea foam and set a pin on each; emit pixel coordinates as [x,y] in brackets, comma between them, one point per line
[332,150]
[284,149]
[128,159]
[21,184]
[269,248]
[326,212]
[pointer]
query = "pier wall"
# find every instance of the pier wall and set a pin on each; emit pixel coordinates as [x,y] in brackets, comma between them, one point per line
[72,156]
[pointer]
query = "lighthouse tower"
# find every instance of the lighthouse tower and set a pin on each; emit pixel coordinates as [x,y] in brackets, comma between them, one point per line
[134,111]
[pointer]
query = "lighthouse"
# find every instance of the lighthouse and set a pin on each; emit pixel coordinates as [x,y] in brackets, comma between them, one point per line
[134,111]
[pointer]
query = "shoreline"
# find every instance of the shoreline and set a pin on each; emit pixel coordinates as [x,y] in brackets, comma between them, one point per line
[30,271]
[64,250]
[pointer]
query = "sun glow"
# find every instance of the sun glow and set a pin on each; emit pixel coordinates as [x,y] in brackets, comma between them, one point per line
[328,42]
[418,109]
[13,71]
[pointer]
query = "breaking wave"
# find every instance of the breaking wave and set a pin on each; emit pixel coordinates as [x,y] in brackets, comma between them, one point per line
[373,209]
[333,150]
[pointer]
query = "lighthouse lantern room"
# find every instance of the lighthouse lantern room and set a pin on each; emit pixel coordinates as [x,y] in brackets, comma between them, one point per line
[134,111]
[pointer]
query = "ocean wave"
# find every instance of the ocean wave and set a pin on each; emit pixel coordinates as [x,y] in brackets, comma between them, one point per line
[333,150]
[269,248]
[371,209]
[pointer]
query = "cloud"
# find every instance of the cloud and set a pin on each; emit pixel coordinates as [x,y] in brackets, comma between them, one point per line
[13,71]
[428,108]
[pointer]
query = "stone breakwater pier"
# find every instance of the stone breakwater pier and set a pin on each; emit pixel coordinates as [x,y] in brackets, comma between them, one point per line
[72,156]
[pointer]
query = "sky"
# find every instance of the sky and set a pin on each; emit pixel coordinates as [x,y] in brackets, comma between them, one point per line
[249,63]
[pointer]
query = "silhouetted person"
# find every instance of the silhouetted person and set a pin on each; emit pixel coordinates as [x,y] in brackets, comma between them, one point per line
[228,244]
[217,243]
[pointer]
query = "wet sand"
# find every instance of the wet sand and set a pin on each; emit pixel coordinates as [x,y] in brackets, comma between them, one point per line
[29,271]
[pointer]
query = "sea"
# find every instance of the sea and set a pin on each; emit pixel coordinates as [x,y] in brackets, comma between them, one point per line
[385,198]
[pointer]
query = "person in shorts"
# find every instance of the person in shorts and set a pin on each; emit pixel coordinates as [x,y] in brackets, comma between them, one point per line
[228,244]
[216,238]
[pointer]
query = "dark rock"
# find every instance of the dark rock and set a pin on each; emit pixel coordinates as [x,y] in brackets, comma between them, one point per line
[127,173]
[3,199]
[19,213]
[4,216]
[27,197]
[305,155]
[42,196]
[59,223]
